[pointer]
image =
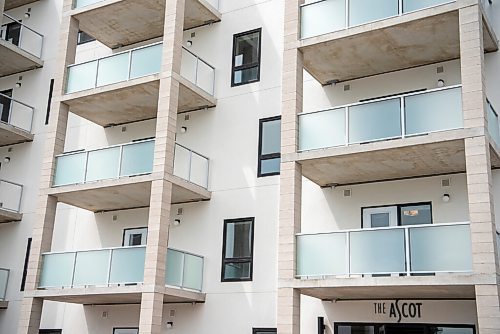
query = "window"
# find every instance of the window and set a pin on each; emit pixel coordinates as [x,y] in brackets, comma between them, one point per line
[125,330]
[26,261]
[11,32]
[269,146]
[246,57]
[135,236]
[264,330]
[397,215]
[5,105]
[50,331]
[237,256]
[83,38]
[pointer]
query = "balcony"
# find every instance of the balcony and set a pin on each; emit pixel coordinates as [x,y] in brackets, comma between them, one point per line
[9,4]
[4,279]
[123,87]
[409,135]
[348,39]
[119,177]
[20,47]
[10,202]
[16,121]
[398,262]
[117,23]
[115,276]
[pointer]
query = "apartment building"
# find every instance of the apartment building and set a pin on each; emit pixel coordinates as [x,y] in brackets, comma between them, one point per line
[249,166]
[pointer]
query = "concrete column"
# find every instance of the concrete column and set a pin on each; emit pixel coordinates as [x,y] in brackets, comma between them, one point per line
[478,164]
[151,313]
[31,308]
[2,6]
[288,317]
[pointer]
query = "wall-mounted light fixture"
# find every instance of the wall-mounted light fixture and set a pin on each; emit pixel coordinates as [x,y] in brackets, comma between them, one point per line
[440,83]
[27,14]
[6,160]
[446,198]
[184,129]
[177,222]
[189,43]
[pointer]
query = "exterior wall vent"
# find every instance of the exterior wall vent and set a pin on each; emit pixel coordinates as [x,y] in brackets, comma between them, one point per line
[347,192]
[445,183]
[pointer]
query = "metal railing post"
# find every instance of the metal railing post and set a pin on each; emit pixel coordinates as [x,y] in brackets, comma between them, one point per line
[407,251]
[348,253]
[110,262]
[196,71]
[120,160]
[190,164]
[86,166]
[74,269]
[347,126]
[403,117]
[129,64]
[183,263]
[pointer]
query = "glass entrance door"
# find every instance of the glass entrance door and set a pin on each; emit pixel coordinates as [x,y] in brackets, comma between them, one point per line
[386,216]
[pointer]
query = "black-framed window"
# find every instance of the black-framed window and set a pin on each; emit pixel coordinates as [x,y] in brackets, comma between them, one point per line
[246,57]
[11,32]
[269,146]
[407,214]
[126,330]
[83,38]
[26,261]
[50,331]
[5,105]
[237,250]
[264,330]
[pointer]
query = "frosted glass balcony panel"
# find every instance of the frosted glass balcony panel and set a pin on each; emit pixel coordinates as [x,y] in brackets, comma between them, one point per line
[411,5]
[4,278]
[10,196]
[322,17]
[113,69]
[375,121]
[91,268]
[199,170]
[322,129]
[146,61]
[81,77]
[137,158]
[440,248]
[362,11]
[20,116]
[175,260]
[57,270]
[103,164]
[193,272]
[70,169]
[127,265]
[182,162]
[378,251]
[434,111]
[188,65]
[321,254]
[83,3]
[205,77]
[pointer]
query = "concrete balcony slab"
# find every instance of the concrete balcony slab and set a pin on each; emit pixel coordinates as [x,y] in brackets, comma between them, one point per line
[16,60]
[9,4]
[10,135]
[8,216]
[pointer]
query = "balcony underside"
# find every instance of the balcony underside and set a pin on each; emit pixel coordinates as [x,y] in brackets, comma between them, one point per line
[4,305]
[118,23]
[124,193]
[7,216]
[9,4]
[388,45]
[432,154]
[16,60]
[132,101]
[115,295]
[10,135]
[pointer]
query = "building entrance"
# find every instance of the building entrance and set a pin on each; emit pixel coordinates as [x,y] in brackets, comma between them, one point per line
[355,328]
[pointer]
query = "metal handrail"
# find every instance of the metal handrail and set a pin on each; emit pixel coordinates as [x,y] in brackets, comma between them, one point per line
[10,112]
[23,26]
[198,58]
[408,263]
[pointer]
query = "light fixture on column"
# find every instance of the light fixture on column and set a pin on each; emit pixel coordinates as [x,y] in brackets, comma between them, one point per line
[184,129]
[446,198]
[189,43]
[440,83]
[27,14]
[177,222]
[6,160]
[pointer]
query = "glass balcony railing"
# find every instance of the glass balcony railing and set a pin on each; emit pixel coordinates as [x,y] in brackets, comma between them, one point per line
[493,123]
[382,119]
[16,113]
[18,34]
[10,196]
[116,266]
[126,160]
[419,249]
[4,280]
[325,16]
[198,71]
[134,64]
[84,3]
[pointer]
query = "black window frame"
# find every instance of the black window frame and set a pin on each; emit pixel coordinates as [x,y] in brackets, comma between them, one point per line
[8,28]
[241,259]
[257,64]
[264,330]
[81,41]
[50,331]
[123,240]
[399,206]
[270,156]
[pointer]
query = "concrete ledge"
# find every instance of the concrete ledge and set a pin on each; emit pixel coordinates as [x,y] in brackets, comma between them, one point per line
[16,60]
[10,135]
[7,216]
[185,192]
[4,305]
[9,4]
[446,286]
[192,97]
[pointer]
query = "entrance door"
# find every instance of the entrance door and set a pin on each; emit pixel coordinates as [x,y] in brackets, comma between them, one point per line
[386,216]
[5,105]
[135,236]
[406,329]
